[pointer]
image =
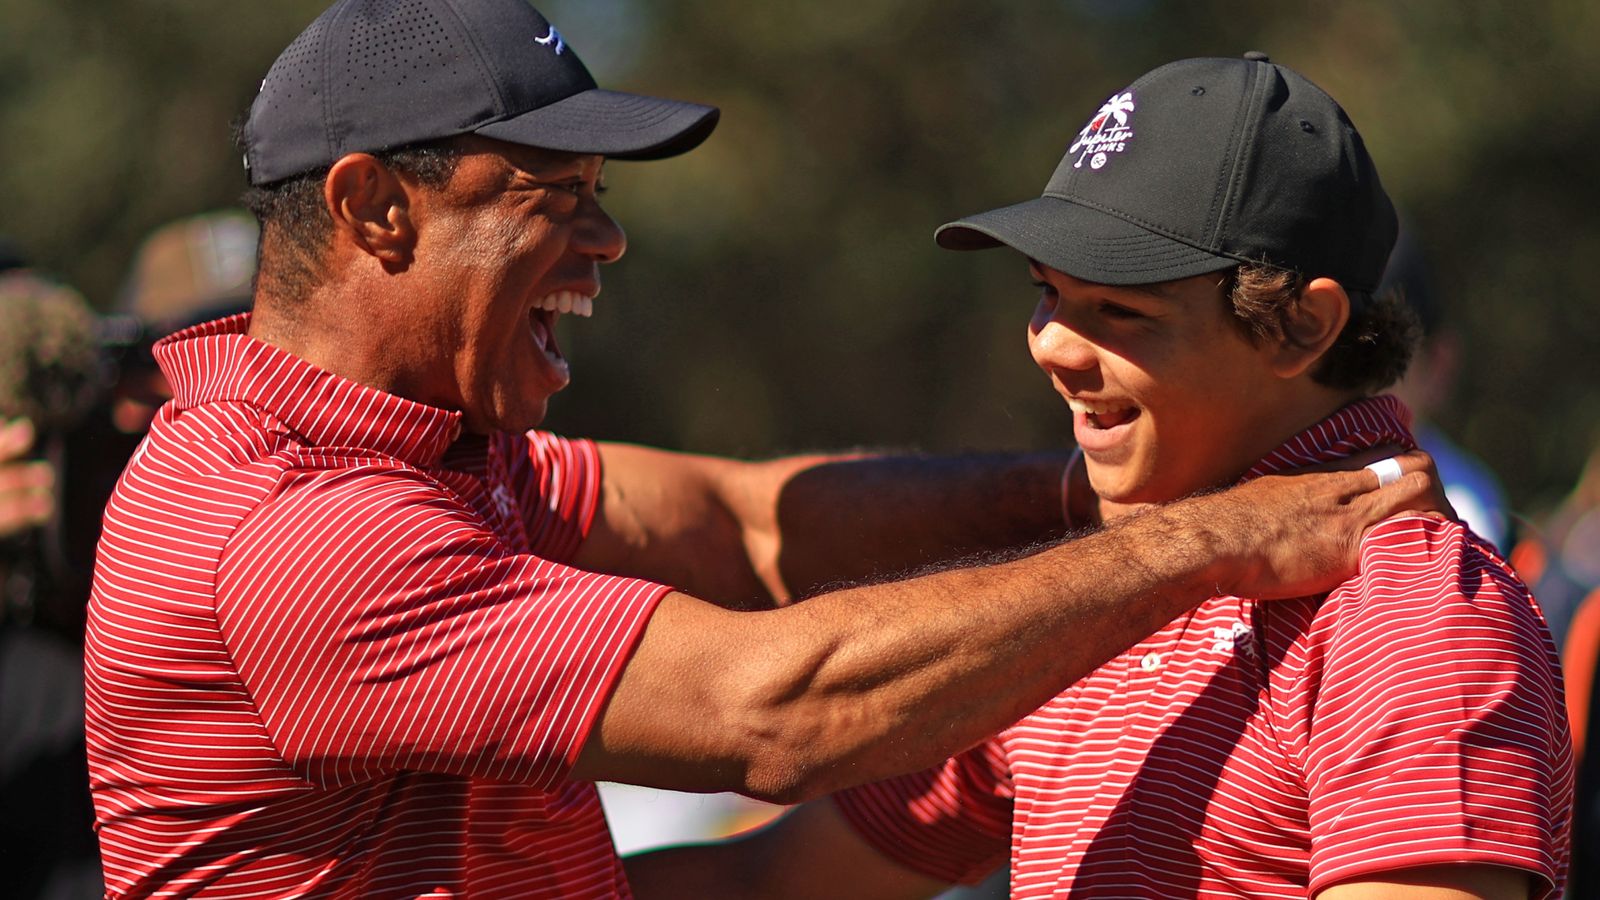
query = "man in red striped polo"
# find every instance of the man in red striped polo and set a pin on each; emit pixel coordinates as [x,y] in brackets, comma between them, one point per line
[1206,256]
[358,630]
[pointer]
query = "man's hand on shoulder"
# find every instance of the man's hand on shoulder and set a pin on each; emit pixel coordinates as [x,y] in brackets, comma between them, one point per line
[1298,535]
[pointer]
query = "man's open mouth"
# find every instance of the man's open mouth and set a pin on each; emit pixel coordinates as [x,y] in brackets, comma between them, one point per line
[546,310]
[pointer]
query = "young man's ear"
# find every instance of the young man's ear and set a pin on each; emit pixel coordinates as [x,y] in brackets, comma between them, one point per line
[370,209]
[1312,326]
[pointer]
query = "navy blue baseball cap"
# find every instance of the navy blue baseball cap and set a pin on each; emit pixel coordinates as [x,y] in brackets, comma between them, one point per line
[371,75]
[1198,166]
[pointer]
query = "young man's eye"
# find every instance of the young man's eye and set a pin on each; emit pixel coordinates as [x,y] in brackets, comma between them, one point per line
[1044,287]
[1114,311]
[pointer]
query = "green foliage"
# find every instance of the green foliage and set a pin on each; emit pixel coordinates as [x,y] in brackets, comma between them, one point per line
[782,291]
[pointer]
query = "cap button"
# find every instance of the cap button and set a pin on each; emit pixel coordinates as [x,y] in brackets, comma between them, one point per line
[1256,56]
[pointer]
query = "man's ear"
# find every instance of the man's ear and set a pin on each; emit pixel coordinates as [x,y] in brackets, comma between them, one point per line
[370,207]
[1311,327]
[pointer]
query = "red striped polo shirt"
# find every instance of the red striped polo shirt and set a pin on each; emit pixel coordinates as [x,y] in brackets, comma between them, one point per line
[1411,717]
[333,649]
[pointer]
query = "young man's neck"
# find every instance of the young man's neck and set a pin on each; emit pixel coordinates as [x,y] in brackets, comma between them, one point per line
[1320,404]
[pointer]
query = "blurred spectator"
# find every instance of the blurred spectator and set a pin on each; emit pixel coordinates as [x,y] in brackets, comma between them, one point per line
[51,373]
[1473,489]
[1561,559]
[186,272]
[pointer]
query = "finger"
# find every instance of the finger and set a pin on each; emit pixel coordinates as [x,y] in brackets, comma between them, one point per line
[1414,493]
[1387,469]
[25,477]
[20,511]
[16,438]
[1432,497]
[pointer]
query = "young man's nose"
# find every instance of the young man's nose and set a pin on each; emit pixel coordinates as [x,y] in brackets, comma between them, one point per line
[1055,344]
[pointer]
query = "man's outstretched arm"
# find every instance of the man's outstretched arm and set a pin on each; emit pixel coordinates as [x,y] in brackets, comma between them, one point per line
[751,534]
[860,684]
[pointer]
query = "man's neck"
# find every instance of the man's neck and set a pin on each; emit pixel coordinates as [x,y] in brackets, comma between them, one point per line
[326,330]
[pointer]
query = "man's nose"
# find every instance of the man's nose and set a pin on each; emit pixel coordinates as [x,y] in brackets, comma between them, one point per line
[599,236]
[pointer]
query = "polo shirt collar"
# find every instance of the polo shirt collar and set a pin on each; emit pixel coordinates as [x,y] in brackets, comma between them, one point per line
[1366,423]
[217,361]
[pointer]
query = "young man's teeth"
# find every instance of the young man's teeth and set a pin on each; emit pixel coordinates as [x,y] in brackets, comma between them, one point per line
[1093,409]
[567,302]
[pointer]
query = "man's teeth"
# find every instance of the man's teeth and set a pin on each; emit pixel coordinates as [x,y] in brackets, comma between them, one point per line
[567,302]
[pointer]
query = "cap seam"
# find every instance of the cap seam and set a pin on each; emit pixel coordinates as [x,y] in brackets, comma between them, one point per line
[1148,226]
[330,147]
[502,106]
[1243,136]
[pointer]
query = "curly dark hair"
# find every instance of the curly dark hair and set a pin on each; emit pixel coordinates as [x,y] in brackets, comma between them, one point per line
[295,225]
[1371,353]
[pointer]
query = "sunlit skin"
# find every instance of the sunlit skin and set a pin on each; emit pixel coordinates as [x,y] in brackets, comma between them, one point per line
[1185,401]
[513,225]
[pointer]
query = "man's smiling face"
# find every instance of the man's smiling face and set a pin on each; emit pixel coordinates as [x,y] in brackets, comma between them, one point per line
[512,241]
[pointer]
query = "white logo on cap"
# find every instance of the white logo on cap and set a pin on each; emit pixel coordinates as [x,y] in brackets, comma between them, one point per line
[1101,137]
[553,37]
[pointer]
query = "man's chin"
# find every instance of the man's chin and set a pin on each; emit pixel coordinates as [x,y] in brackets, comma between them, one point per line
[514,421]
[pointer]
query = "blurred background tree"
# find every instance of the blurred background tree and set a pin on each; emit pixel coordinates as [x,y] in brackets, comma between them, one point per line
[782,290]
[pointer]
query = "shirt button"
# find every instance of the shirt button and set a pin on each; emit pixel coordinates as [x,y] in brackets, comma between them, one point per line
[1150,662]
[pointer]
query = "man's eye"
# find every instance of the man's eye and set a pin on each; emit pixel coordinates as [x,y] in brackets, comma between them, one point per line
[579,187]
[1045,287]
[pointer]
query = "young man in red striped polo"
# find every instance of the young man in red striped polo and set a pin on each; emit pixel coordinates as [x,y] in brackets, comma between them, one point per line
[1206,255]
[357,630]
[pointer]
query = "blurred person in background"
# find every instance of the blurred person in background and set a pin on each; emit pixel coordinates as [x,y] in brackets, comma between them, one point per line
[1560,555]
[52,372]
[1473,488]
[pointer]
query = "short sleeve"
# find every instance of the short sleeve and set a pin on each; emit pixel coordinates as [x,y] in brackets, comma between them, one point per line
[1438,733]
[380,627]
[951,822]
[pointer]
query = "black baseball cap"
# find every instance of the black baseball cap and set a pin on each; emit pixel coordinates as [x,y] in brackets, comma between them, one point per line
[371,75]
[1200,165]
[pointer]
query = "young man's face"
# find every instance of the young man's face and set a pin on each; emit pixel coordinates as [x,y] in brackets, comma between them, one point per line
[1168,395]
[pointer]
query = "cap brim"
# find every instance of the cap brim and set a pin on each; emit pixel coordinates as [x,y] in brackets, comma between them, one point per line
[1082,242]
[610,123]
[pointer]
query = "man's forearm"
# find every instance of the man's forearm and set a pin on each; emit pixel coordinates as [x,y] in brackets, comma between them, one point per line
[748,535]
[868,682]
[868,518]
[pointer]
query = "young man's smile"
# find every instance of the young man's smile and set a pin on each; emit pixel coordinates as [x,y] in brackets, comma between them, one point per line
[1168,394]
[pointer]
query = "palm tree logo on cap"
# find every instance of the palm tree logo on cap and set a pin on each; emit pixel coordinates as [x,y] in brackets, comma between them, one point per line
[1097,139]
